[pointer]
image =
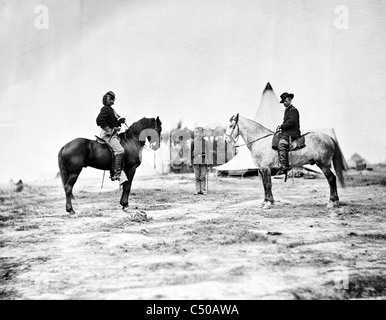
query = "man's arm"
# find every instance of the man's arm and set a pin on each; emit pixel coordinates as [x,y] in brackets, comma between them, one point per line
[101,119]
[208,153]
[293,119]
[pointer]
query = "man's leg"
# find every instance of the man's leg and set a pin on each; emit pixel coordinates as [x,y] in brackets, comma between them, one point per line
[118,152]
[204,169]
[283,152]
[196,168]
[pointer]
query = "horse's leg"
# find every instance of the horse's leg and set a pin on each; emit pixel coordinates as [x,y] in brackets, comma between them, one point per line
[68,190]
[333,189]
[127,187]
[265,190]
[267,183]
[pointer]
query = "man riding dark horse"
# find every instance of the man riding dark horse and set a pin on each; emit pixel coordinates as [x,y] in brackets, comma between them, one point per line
[290,130]
[81,153]
[110,122]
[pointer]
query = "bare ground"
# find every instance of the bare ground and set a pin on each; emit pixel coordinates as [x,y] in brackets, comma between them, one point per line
[219,246]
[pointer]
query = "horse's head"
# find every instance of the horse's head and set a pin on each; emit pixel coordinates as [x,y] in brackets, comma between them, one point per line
[232,131]
[157,126]
[147,128]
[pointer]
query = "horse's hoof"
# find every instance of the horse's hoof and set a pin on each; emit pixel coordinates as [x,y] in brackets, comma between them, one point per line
[331,205]
[126,209]
[263,204]
[72,214]
[140,216]
[267,205]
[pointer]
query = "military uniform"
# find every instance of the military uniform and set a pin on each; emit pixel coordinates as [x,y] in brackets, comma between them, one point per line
[289,128]
[110,122]
[199,149]
[291,123]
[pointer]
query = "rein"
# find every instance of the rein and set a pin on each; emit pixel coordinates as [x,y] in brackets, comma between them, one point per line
[238,134]
[249,143]
[131,131]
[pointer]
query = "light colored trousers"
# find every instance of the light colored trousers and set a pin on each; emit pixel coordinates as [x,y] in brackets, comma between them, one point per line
[200,171]
[113,142]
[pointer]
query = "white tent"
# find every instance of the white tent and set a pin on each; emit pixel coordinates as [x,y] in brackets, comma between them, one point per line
[162,155]
[239,164]
[270,114]
[147,167]
[154,162]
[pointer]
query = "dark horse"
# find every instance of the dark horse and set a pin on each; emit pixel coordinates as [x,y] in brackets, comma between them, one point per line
[80,153]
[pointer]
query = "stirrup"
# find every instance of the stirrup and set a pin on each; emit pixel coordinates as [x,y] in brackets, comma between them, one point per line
[283,170]
[115,177]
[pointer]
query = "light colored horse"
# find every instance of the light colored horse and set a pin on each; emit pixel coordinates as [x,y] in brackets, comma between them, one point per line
[320,149]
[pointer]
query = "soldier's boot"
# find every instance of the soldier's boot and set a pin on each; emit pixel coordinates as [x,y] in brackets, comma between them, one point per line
[118,162]
[283,161]
[203,187]
[198,188]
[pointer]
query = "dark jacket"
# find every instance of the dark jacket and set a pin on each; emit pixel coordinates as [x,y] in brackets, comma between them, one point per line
[291,123]
[107,118]
[199,154]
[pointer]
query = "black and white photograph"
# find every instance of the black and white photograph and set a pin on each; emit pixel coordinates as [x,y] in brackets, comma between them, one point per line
[192,150]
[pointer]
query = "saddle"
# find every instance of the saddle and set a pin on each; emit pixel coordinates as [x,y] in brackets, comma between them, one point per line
[101,141]
[297,144]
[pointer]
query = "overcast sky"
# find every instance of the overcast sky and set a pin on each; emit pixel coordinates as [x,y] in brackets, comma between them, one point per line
[196,60]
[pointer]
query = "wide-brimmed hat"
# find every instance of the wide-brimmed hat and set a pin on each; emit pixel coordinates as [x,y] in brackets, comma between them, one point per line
[286,95]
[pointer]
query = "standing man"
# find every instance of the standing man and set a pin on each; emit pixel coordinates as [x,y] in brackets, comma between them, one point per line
[110,122]
[289,129]
[199,149]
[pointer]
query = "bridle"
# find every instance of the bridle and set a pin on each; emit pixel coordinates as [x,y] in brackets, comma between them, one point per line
[233,129]
[249,144]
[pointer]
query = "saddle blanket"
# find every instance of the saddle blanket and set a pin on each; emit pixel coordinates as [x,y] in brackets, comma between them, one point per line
[297,144]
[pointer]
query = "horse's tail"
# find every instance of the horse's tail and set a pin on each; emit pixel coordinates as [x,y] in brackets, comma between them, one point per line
[338,163]
[62,168]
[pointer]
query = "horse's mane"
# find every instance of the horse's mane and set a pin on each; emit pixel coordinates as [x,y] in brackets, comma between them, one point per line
[136,128]
[257,124]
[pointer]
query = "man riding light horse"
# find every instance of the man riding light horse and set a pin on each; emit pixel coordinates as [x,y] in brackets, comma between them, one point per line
[290,130]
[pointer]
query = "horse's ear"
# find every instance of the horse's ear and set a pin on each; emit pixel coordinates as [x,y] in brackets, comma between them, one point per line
[237,118]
